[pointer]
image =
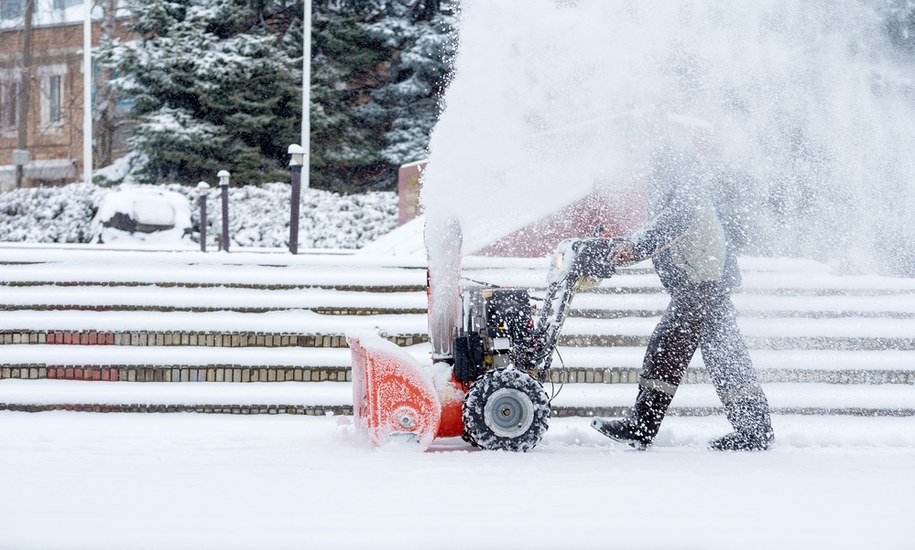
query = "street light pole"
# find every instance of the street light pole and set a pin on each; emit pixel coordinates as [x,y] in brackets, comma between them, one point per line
[306,91]
[296,157]
[25,80]
[202,189]
[223,176]
[87,92]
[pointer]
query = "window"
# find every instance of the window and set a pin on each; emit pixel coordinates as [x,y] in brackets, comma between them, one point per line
[12,9]
[9,104]
[64,4]
[55,99]
[53,80]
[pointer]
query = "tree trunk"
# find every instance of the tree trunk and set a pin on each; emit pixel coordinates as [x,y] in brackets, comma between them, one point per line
[105,100]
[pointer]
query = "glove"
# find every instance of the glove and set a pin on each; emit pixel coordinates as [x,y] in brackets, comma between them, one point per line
[621,253]
[587,283]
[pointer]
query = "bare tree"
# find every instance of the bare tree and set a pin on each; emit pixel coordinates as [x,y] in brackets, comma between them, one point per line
[104,116]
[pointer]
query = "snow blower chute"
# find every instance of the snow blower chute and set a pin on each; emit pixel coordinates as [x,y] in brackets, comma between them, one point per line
[491,352]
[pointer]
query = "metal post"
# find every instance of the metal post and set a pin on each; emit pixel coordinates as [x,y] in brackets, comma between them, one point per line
[223,176]
[25,80]
[296,157]
[87,92]
[202,188]
[306,91]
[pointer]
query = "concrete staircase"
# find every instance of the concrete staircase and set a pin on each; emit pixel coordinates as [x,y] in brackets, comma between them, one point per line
[185,331]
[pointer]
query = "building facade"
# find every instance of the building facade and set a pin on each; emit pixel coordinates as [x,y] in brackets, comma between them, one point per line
[54,129]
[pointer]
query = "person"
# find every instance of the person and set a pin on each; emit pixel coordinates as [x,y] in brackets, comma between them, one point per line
[689,248]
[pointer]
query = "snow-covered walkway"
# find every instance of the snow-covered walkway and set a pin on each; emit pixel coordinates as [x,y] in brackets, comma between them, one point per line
[124,482]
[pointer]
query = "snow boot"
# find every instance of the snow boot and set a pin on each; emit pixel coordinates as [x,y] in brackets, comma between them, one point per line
[641,426]
[744,441]
[749,415]
[622,431]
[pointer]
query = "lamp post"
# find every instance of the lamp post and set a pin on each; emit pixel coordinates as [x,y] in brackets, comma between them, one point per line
[202,189]
[223,176]
[87,91]
[296,158]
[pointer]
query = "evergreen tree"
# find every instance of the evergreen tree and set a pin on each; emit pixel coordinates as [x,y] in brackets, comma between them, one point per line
[422,38]
[346,65]
[216,84]
[379,68]
[211,88]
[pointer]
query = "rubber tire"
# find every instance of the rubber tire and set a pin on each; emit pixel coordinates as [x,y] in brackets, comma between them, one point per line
[476,430]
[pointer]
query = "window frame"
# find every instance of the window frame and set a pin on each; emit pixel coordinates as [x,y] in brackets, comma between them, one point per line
[9,102]
[47,75]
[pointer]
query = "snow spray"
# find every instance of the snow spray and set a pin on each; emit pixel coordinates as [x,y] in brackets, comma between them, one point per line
[811,115]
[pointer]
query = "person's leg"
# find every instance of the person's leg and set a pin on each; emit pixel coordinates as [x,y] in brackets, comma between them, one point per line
[730,369]
[672,345]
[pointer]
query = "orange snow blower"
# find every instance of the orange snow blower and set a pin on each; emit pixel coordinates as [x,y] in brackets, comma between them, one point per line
[485,382]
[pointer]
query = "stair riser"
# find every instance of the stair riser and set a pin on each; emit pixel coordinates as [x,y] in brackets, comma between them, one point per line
[205,339]
[250,339]
[245,373]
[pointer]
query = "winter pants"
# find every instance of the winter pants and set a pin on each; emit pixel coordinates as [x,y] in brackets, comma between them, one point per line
[701,316]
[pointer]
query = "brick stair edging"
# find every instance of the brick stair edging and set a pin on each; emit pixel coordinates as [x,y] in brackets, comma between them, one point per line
[189,338]
[266,339]
[289,373]
[321,310]
[175,373]
[381,289]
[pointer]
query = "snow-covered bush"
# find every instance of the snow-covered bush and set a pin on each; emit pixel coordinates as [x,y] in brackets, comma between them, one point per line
[258,216]
[49,214]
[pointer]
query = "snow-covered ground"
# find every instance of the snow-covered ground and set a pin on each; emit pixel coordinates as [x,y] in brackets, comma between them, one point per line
[125,481]
[72,480]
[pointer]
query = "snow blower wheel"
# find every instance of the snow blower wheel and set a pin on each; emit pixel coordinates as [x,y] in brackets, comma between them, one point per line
[506,409]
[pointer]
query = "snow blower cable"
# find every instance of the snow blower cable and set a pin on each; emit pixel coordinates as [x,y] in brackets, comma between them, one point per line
[482,283]
[553,389]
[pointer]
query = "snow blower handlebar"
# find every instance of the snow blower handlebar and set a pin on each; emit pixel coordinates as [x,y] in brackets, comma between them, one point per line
[575,260]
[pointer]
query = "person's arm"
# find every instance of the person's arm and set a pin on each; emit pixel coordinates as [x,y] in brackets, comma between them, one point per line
[663,230]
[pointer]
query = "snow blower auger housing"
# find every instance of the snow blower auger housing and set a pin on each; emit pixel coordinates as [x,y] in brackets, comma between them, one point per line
[490,389]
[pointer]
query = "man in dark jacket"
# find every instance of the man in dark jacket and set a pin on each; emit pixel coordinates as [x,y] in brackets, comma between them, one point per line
[689,248]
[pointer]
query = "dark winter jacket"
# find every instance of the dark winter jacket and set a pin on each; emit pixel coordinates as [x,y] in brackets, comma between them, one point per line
[684,237]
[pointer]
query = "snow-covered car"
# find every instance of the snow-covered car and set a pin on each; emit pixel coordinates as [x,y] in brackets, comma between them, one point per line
[142,215]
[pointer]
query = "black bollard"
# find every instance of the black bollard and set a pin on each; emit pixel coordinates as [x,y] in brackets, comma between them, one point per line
[297,155]
[223,176]
[202,188]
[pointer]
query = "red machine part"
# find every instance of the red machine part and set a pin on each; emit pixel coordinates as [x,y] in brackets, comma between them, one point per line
[395,397]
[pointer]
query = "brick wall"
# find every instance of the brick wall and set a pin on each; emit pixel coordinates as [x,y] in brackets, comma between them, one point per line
[56,51]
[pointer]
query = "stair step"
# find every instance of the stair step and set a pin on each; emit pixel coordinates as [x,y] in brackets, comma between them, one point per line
[336,398]
[368,310]
[825,343]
